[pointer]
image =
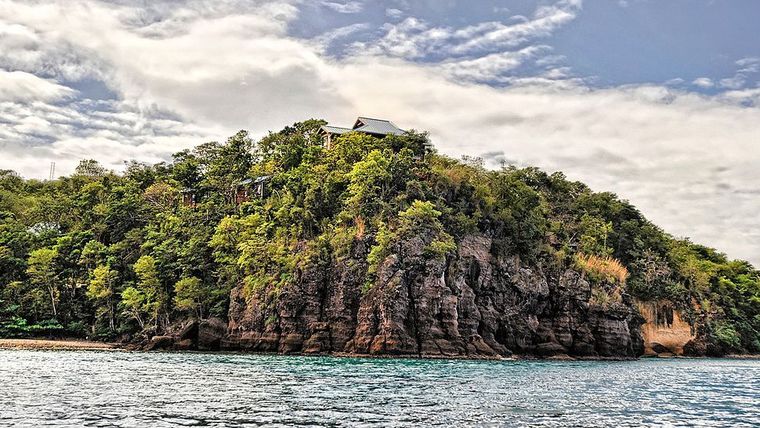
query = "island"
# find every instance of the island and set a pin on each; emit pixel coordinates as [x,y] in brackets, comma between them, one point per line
[359,240]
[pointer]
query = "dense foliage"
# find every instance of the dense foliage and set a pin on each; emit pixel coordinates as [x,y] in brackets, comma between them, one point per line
[100,254]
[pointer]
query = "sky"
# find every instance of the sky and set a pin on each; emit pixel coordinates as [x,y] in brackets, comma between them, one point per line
[657,101]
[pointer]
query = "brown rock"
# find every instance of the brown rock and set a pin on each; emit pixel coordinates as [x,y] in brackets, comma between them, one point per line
[210,334]
[184,345]
[160,342]
[188,331]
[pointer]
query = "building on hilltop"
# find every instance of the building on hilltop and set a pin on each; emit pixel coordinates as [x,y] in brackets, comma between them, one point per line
[251,188]
[189,197]
[375,127]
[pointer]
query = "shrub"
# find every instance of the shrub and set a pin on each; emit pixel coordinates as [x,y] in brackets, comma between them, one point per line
[604,298]
[724,334]
[14,327]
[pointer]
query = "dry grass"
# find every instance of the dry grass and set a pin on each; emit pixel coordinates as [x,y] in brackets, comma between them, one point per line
[602,268]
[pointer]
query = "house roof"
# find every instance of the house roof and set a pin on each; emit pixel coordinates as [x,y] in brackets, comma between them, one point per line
[377,126]
[256,180]
[367,125]
[335,129]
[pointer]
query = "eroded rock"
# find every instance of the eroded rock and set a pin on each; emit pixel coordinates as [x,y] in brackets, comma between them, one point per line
[470,304]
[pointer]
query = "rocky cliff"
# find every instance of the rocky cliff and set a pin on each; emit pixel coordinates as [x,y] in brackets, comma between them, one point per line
[473,303]
[665,331]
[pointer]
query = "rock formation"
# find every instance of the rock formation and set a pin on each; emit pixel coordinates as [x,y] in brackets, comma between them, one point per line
[474,303]
[665,331]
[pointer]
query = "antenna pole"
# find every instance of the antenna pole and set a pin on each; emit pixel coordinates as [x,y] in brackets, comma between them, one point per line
[52,171]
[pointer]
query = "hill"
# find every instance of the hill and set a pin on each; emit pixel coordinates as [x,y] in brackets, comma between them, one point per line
[375,246]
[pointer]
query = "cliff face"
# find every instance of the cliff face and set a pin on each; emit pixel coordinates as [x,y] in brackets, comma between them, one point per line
[665,331]
[470,304]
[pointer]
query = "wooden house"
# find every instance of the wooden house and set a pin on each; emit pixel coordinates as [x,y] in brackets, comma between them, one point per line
[243,191]
[189,197]
[251,188]
[376,127]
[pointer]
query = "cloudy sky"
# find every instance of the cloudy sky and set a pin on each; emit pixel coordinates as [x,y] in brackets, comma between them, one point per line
[658,101]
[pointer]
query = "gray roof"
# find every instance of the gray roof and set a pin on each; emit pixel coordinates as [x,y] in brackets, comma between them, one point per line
[368,126]
[335,129]
[377,126]
[256,180]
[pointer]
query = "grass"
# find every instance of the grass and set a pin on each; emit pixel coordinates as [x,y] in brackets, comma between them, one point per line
[604,269]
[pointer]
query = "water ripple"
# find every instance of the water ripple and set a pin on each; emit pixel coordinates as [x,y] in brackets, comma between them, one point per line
[115,389]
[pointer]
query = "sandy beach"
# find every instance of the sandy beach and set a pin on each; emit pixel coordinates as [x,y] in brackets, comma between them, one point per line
[54,344]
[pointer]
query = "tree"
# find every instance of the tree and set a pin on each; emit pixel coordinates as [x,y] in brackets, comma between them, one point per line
[149,285]
[42,274]
[654,275]
[594,235]
[370,181]
[134,303]
[69,246]
[161,196]
[420,221]
[226,164]
[89,168]
[101,290]
[93,254]
[190,294]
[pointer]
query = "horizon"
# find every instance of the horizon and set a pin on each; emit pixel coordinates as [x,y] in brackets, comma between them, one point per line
[657,103]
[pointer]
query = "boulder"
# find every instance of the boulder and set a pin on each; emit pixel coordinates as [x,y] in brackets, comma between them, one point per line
[188,331]
[210,334]
[160,342]
[659,349]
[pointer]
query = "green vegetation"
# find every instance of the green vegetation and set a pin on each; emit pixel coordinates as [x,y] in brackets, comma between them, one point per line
[102,254]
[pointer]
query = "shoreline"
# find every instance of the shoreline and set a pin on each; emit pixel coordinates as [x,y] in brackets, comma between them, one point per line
[88,345]
[57,345]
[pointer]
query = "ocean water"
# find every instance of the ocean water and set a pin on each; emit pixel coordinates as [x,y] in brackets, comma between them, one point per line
[123,389]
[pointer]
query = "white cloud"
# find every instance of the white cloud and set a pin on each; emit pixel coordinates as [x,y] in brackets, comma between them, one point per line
[545,20]
[735,82]
[394,13]
[344,7]
[485,52]
[413,38]
[749,65]
[20,86]
[703,82]
[493,67]
[188,73]
[746,67]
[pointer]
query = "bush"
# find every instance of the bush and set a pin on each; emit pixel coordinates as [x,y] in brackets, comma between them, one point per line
[604,298]
[47,328]
[14,328]
[724,334]
[77,329]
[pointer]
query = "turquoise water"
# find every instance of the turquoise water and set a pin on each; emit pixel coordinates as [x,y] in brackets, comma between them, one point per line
[57,388]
